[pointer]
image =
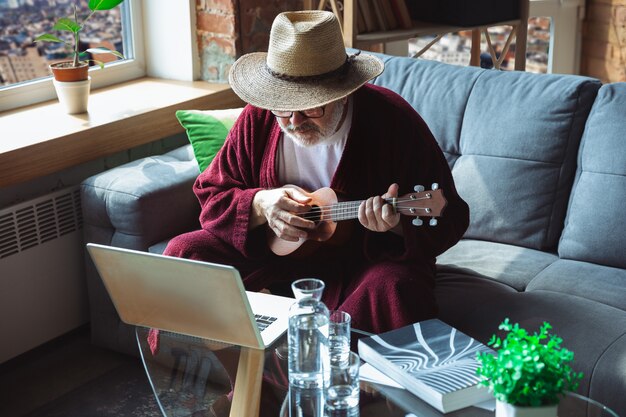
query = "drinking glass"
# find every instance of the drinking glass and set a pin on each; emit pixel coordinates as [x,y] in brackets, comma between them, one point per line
[339,336]
[304,402]
[343,392]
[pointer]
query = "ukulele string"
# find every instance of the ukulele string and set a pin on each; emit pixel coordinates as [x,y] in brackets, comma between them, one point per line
[352,208]
[350,214]
[358,202]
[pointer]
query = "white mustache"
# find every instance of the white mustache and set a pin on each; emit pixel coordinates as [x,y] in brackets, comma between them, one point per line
[302,128]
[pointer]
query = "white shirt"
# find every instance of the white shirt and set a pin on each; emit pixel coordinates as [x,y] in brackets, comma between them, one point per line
[312,167]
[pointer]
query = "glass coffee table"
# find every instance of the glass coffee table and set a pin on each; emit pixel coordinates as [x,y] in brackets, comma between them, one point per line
[193,377]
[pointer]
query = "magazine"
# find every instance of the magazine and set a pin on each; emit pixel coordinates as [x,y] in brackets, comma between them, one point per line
[432,360]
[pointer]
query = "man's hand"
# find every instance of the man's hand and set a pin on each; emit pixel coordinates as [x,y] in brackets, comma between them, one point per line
[378,216]
[280,209]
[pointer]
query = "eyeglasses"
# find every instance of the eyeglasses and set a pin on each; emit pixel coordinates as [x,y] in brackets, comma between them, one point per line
[315,113]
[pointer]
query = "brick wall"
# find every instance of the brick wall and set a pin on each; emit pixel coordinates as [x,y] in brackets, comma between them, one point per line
[604,40]
[227,29]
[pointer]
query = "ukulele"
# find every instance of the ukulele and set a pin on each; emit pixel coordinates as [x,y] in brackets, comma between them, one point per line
[326,211]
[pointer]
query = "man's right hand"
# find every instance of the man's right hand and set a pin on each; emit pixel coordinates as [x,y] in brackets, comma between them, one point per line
[281,208]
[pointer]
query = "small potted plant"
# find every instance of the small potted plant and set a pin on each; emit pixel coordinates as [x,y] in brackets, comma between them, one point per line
[529,373]
[71,79]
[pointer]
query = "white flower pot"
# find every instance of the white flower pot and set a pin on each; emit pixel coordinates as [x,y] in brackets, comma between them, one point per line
[73,96]
[507,410]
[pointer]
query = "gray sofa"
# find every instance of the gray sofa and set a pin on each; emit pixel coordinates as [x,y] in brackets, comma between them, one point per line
[541,161]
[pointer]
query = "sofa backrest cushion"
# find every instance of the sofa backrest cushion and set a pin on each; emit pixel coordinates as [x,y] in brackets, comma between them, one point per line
[511,139]
[437,91]
[595,230]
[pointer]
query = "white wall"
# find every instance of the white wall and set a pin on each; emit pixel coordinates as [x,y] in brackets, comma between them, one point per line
[170,39]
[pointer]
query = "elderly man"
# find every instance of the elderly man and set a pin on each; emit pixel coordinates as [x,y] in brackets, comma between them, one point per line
[312,122]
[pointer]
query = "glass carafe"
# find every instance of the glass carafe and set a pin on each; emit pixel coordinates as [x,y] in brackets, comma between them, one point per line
[309,362]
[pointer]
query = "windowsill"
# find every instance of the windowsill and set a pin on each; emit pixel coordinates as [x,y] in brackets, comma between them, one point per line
[42,139]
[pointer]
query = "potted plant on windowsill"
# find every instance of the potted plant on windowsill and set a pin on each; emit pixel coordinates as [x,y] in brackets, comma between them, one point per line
[530,372]
[71,79]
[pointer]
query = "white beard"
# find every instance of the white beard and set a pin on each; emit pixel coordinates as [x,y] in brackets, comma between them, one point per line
[310,134]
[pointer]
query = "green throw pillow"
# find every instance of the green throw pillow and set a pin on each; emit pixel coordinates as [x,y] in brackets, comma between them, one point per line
[207,131]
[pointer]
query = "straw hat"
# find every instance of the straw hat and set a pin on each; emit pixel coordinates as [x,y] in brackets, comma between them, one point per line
[306,65]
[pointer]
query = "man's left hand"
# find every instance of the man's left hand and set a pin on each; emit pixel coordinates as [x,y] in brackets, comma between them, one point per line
[378,216]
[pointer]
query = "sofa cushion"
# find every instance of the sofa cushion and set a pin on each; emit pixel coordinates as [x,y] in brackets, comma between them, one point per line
[511,265]
[595,282]
[595,230]
[207,130]
[121,206]
[518,155]
[510,137]
[609,381]
[159,248]
[182,153]
[438,92]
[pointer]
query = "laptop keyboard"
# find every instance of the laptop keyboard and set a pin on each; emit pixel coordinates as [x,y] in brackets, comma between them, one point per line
[263,321]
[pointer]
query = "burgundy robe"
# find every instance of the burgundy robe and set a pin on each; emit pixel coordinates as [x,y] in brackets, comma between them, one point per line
[384,281]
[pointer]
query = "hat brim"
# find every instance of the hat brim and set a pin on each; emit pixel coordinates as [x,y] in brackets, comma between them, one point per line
[251,80]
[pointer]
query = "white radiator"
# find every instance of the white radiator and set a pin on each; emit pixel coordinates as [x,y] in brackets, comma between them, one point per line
[42,286]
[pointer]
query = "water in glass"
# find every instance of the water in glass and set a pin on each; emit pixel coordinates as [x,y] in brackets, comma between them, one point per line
[343,391]
[309,362]
[339,336]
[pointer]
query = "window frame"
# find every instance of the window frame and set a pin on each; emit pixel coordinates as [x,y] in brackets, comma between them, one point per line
[565,32]
[37,91]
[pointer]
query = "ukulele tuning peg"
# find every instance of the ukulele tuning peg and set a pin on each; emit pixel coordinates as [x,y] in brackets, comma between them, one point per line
[435,186]
[418,188]
[432,222]
[417,221]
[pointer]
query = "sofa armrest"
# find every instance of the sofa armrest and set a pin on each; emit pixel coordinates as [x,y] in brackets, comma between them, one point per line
[135,206]
[142,202]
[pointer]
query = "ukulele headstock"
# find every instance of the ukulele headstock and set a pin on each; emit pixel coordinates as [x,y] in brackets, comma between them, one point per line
[422,203]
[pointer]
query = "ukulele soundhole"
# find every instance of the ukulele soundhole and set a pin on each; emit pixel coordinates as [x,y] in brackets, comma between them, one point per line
[315,214]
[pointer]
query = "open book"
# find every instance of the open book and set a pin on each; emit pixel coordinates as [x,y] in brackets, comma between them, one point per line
[432,360]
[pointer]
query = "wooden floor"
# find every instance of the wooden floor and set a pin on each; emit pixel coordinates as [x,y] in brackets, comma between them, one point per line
[69,377]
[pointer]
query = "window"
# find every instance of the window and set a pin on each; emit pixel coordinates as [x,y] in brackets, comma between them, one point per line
[553,42]
[455,48]
[24,73]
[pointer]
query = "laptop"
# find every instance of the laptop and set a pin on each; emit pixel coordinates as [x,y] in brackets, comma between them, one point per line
[193,298]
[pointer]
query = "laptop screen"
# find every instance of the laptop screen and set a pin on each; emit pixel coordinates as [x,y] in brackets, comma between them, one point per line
[179,295]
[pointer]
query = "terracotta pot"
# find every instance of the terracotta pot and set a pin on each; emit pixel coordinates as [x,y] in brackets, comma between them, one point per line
[507,410]
[65,72]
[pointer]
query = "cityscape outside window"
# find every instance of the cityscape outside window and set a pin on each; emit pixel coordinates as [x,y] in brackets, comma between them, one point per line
[21,21]
[455,48]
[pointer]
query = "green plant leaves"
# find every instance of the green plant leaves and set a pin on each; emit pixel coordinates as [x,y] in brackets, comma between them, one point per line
[103,50]
[103,4]
[67,25]
[46,37]
[529,369]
